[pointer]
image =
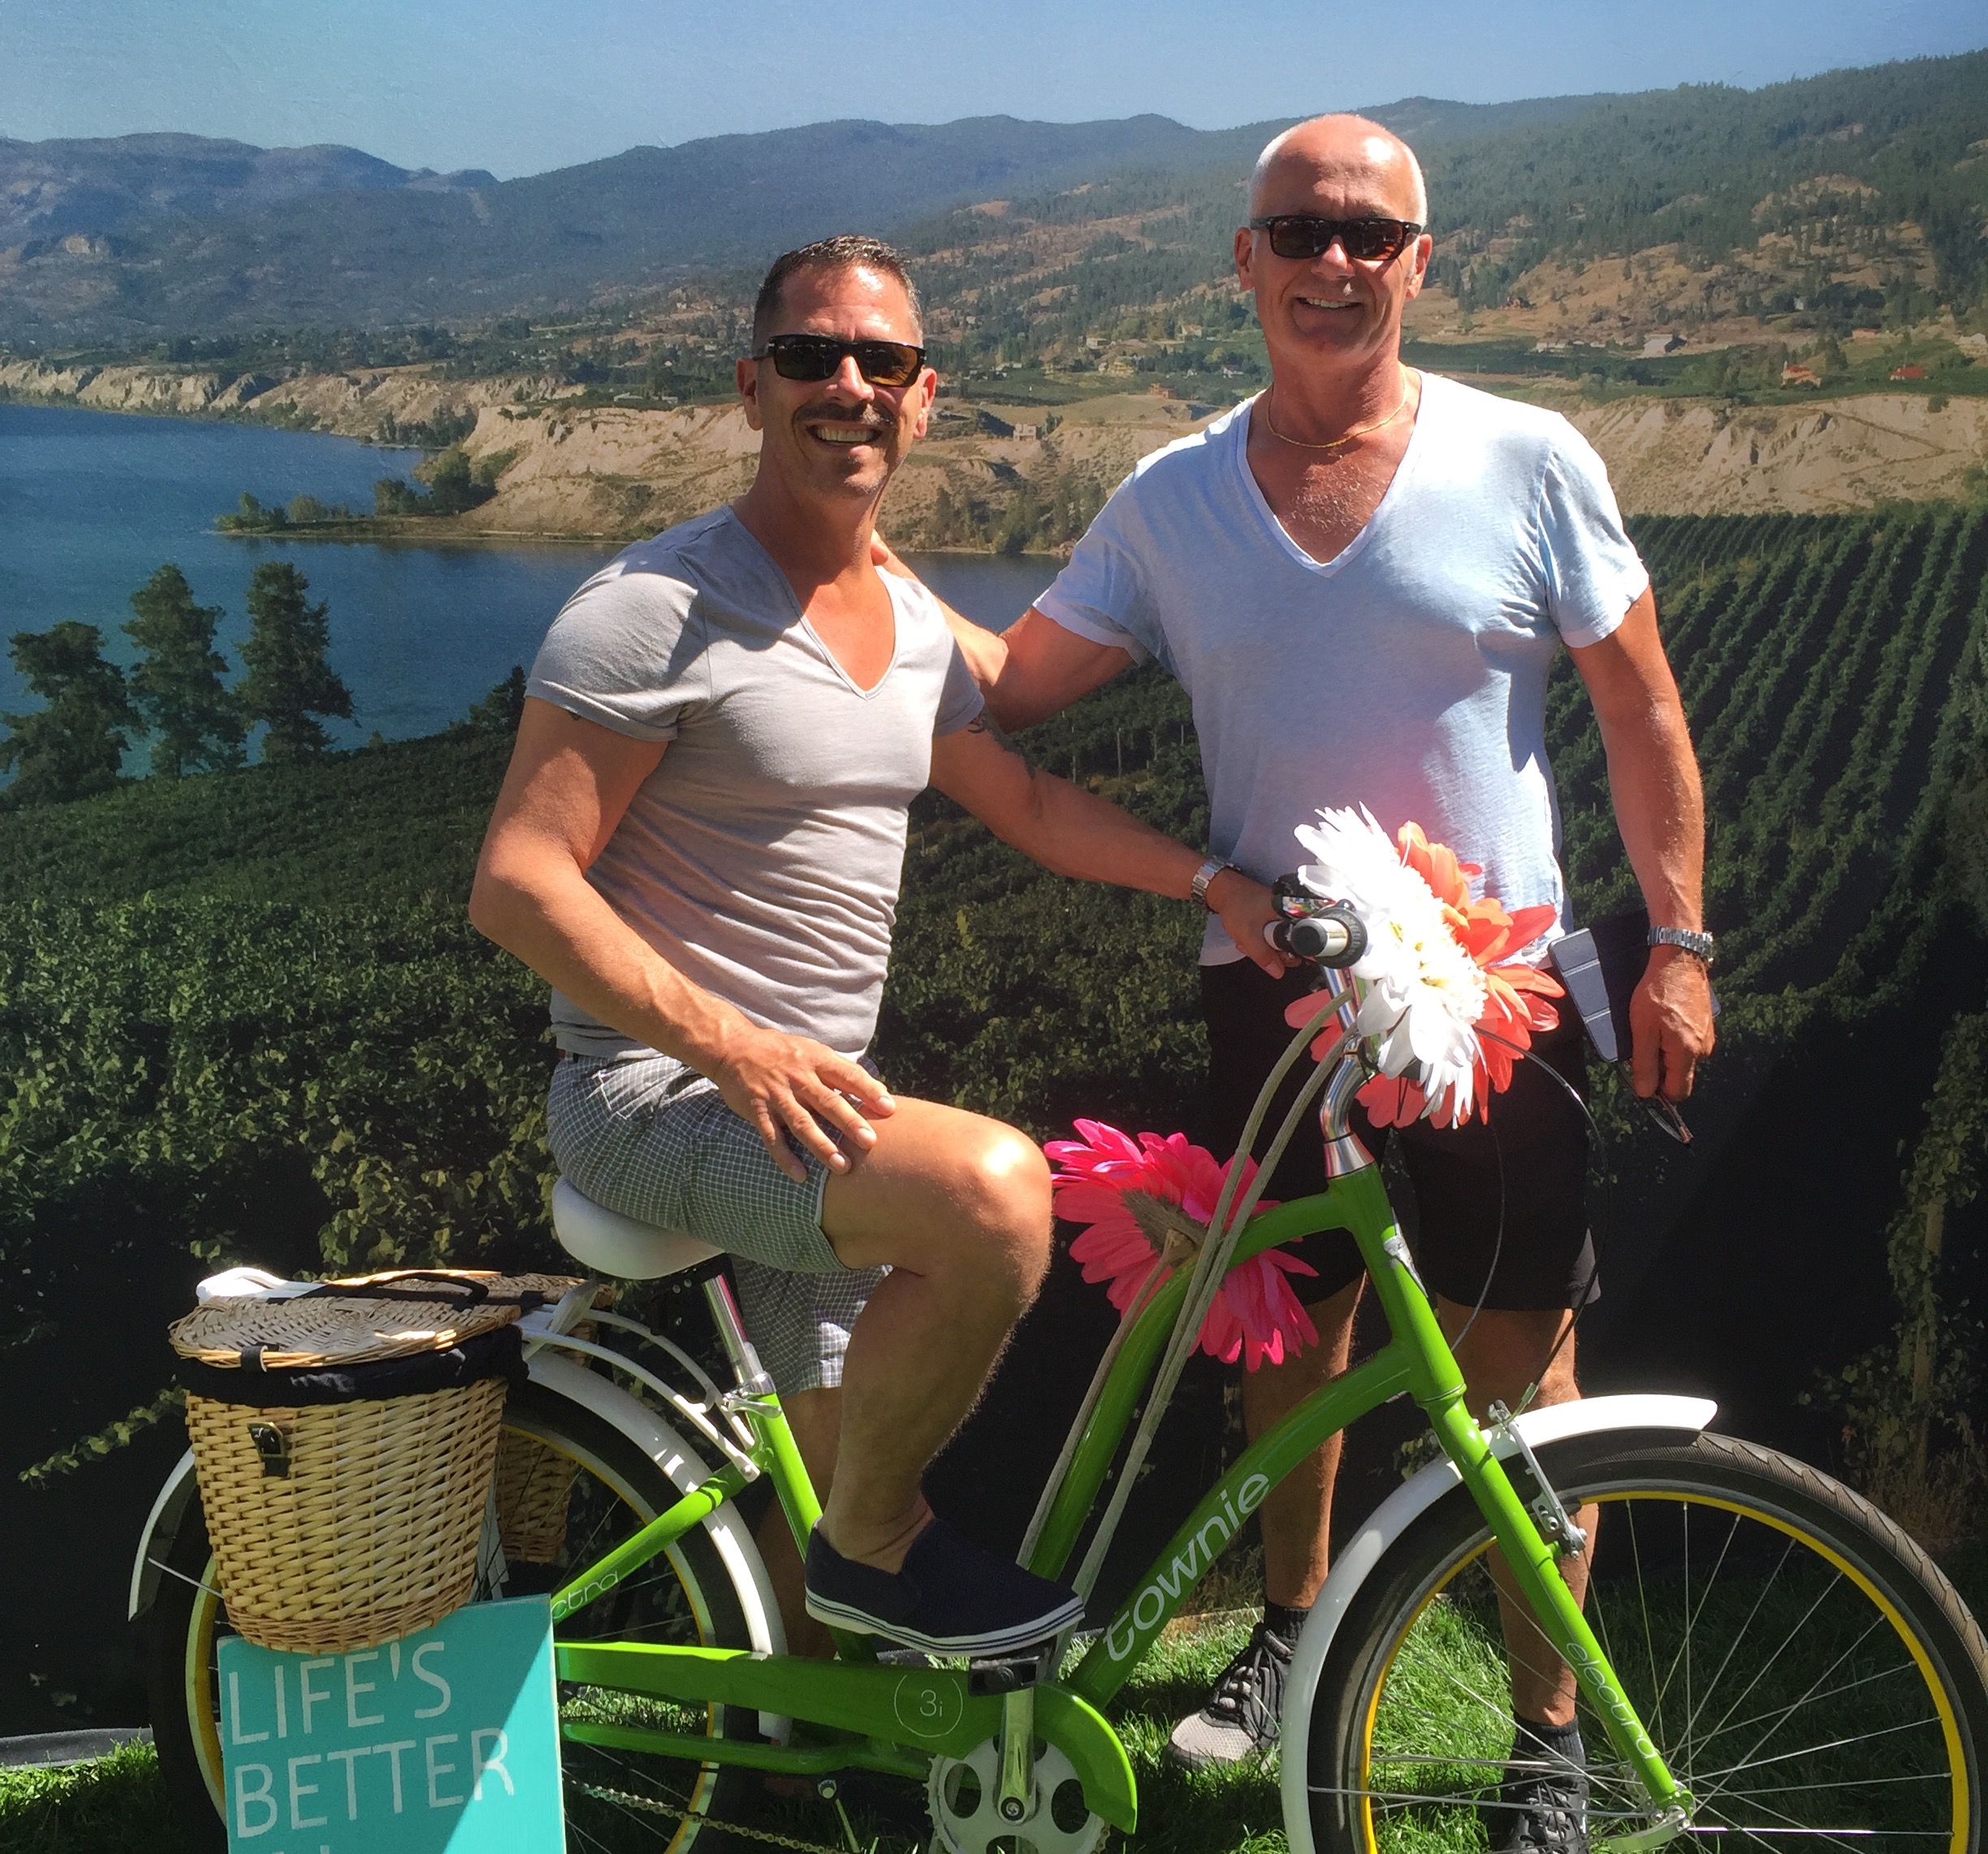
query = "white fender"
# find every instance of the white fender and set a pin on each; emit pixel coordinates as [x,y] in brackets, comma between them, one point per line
[620,1410]
[668,1451]
[162,1527]
[1586,1416]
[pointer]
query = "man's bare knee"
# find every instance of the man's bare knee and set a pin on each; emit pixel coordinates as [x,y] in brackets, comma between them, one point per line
[1003,1182]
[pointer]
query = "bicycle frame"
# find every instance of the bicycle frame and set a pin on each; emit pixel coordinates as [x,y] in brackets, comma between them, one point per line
[902,1718]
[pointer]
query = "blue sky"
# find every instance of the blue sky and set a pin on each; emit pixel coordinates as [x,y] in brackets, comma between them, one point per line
[520,86]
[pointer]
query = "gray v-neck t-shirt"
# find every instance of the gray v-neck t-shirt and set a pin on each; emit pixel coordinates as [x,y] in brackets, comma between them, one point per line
[1409,673]
[762,856]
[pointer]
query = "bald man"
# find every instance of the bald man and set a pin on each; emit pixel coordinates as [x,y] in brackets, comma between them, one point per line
[1362,576]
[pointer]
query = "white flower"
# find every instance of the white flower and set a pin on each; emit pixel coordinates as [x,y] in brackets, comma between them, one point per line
[1423,992]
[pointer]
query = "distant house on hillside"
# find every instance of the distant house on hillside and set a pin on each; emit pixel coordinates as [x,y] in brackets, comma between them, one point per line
[1663,344]
[1908,372]
[1795,374]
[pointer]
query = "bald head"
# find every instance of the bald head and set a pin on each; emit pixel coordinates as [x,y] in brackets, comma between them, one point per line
[1350,154]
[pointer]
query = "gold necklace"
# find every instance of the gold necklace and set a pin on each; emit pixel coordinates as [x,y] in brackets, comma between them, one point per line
[1358,430]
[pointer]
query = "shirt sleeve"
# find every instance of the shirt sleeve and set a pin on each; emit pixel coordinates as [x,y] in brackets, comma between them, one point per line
[1593,571]
[960,700]
[1101,594]
[626,651]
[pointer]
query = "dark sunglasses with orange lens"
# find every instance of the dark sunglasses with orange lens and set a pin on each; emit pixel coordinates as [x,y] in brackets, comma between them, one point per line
[820,357]
[1301,235]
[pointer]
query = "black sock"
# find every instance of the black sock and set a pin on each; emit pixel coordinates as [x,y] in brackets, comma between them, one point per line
[1560,1742]
[1286,1621]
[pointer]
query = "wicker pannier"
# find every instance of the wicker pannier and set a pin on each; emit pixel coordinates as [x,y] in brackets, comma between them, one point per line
[343,1442]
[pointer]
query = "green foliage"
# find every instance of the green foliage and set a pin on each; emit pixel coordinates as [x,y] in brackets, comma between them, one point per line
[1968,824]
[289,681]
[112,1436]
[176,684]
[1046,510]
[243,1016]
[1830,666]
[400,820]
[74,745]
[391,496]
[110,1805]
[455,484]
[500,711]
[1911,1434]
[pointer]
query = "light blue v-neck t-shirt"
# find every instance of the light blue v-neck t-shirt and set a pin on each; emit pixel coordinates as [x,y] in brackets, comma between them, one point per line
[1408,675]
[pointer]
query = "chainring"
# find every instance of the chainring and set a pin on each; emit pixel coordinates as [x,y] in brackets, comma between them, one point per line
[962,1792]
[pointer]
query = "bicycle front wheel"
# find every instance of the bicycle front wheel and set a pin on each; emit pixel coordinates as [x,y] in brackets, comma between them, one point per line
[1807,1674]
[587,1486]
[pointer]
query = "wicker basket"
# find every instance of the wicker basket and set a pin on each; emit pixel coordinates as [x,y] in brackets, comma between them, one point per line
[344,1447]
[372,1534]
[535,1484]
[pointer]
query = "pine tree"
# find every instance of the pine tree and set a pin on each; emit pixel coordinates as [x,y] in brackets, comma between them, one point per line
[75,745]
[289,680]
[177,683]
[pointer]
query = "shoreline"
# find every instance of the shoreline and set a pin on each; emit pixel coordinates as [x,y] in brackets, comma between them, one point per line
[572,474]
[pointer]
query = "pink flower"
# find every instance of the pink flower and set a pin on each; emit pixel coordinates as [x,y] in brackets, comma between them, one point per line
[1153,1199]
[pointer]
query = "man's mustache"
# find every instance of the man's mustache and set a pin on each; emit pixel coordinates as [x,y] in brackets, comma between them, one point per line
[822,414]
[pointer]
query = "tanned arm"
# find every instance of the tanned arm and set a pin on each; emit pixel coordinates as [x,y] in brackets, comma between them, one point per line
[1028,672]
[1660,809]
[569,782]
[1075,833]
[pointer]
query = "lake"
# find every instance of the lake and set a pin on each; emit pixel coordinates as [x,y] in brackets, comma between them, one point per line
[91,502]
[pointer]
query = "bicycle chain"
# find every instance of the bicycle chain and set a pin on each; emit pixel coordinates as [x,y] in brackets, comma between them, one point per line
[649,1803]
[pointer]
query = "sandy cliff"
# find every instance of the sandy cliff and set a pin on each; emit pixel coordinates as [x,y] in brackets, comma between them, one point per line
[570,469]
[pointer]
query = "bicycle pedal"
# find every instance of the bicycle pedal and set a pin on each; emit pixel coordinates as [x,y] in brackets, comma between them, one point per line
[1007,1674]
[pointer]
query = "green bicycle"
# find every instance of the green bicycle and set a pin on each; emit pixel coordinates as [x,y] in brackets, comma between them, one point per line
[1762,1658]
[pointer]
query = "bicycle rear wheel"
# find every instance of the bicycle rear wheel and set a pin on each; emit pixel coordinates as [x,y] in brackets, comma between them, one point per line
[1805,1670]
[616,1802]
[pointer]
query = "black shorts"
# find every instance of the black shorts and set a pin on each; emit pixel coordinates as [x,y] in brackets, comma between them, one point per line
[1530,1161]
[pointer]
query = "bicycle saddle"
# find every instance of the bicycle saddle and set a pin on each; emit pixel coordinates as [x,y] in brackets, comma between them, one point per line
[611,1244]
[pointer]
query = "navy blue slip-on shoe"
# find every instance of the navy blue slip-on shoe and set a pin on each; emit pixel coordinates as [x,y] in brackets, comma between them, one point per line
[951,1597]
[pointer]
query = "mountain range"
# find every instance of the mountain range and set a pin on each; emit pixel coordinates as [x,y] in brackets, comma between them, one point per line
[137,236]
[1853,196]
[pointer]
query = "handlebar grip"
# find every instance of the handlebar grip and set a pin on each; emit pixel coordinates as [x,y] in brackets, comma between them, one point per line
[1334,936]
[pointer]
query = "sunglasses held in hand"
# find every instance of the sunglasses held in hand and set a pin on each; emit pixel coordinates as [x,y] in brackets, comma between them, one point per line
[820,357]
[1369,241]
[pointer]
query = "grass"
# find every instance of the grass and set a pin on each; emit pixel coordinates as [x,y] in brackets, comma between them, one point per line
[114,1804]
[117,1804]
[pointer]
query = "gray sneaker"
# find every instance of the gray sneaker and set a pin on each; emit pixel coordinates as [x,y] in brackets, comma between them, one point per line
[1241,1720]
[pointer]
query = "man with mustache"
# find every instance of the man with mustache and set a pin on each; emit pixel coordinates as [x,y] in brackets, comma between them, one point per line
[1362,576]
[699,842]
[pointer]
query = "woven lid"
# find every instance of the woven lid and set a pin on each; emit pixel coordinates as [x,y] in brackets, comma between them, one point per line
[364,1318]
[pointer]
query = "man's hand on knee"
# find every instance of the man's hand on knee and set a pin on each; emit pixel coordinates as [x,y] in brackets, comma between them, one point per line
[793,1087]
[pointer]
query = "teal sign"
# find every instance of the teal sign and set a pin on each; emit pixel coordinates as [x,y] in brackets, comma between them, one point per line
[444,1740]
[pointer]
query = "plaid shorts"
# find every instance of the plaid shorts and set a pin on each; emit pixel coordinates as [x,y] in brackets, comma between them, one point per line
[653,1140]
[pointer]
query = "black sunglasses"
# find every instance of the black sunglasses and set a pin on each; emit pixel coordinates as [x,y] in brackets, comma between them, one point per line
[820,357]
[1664,1116]
[1300,235]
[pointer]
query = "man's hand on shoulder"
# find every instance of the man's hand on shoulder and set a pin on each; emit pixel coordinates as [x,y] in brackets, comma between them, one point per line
[792,1088]
[1670,1023]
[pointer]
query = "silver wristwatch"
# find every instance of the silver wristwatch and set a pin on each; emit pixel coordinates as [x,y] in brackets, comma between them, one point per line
[1687,940]
[1203,876]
